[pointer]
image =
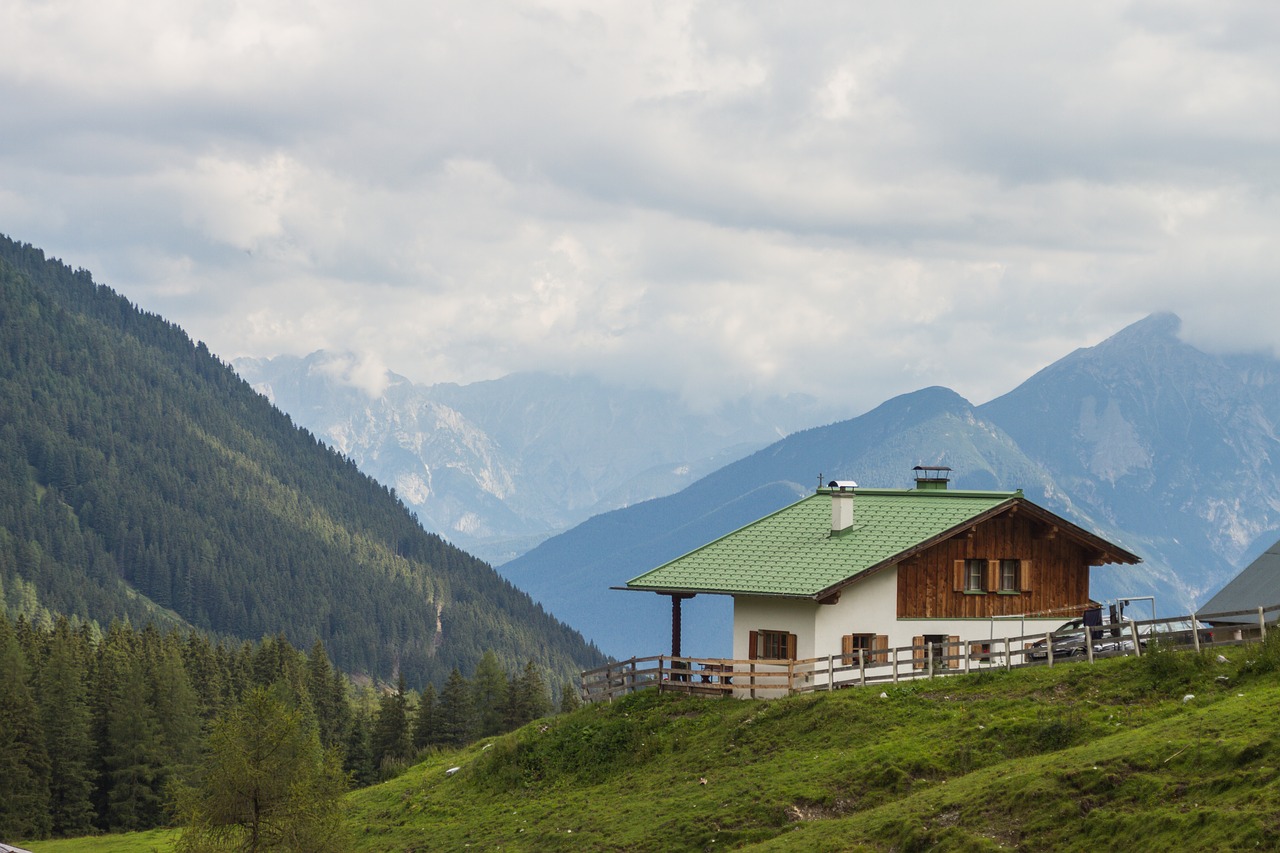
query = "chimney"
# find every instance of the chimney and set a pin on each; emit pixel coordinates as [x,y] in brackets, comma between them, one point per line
[932,477]
[841,505]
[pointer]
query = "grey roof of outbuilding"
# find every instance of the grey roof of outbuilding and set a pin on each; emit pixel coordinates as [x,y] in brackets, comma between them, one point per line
[1257,585]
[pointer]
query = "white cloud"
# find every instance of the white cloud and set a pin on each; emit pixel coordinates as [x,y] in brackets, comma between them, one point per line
[716,197]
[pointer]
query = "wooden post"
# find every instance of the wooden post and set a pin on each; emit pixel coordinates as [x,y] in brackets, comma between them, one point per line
[1137,646]
[675,626]
[895,664]
[1048,645]
[753,680]
[1262,625]
[862,668]
[831,673]
[791,677]
[1008,656]
[1195,632]
[1088,642]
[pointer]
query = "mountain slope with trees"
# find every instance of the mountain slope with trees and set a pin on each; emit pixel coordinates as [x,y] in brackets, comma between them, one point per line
[141,478]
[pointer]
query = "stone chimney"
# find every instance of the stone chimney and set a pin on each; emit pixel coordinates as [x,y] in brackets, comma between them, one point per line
[841,505]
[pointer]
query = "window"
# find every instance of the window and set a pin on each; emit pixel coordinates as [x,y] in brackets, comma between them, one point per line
[936,651]
[978,575]
[771,645]
[975,575]
[874,648]
[1009,575]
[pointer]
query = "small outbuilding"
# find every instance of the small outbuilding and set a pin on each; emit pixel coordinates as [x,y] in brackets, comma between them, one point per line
[1257,585]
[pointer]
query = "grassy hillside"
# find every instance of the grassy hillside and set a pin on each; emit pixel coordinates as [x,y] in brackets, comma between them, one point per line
[1073,757]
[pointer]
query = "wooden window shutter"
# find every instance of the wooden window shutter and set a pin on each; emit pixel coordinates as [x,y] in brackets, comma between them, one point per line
[918,651]
[753,645]
[1024,575]
[959,575]
[993,575]
[846,649]
[954,651]
[791,646]
[880,648]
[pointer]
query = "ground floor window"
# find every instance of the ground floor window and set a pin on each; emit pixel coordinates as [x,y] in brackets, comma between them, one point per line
[771,645]
[874,647]
[941,651]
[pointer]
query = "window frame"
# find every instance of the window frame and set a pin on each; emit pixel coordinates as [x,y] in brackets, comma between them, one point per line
[975,575]
[765,640]
[1010,574]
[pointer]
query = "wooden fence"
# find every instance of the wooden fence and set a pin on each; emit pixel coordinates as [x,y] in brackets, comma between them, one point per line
[763,679]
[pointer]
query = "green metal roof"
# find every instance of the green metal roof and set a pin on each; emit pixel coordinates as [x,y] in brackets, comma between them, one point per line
[794,553]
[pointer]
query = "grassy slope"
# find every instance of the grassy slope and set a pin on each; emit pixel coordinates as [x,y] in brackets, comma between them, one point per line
[1068,758]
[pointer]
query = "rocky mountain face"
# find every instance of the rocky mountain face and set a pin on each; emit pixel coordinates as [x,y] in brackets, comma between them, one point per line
[498,466]
[1157,441]
[1152,443]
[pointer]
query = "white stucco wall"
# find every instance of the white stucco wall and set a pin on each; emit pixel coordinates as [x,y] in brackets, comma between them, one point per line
[754,613]
[866,607]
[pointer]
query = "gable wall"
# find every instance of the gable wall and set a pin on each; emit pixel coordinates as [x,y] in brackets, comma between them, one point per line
[1058,574]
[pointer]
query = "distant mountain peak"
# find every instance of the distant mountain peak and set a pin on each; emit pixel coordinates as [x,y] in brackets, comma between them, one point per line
[1163,326]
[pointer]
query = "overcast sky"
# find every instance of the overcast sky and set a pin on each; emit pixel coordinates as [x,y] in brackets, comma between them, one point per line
[849,200]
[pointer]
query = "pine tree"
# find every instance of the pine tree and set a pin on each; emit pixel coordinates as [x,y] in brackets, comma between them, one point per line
[266,784]
[24,764]
[133,754]
[530,700]
[64,712]
[426,719]
[358,764]
[457,713]
[489,695]
[570,701]
[390,739]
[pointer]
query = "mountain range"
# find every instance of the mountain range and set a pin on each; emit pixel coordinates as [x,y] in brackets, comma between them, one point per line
[1169,451]
[498,466]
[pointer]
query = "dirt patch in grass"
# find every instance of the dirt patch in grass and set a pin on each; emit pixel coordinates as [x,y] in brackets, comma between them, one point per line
[802,812]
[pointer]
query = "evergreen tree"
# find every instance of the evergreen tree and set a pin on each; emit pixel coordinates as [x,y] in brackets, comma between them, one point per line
[529,697]
[24,764]
[489,695]
[391,738]
[358,764]
[67,723]
[570,701]
[457,713]
[133,754]
[177,709]
[266,784]
[426,719]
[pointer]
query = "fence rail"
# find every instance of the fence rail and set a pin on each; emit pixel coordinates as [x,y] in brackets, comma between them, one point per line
[773,678]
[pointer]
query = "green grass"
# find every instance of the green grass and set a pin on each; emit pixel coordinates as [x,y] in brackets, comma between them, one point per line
[1064,758]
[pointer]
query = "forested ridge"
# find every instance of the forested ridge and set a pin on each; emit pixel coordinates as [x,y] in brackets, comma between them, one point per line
[141,478]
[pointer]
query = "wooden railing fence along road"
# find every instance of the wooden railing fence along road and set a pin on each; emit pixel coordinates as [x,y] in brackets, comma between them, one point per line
[773,678]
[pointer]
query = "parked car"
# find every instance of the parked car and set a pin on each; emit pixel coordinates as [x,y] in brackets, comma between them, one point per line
[1068,641]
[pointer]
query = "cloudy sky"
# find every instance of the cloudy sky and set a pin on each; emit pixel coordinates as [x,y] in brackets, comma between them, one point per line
[850,200]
